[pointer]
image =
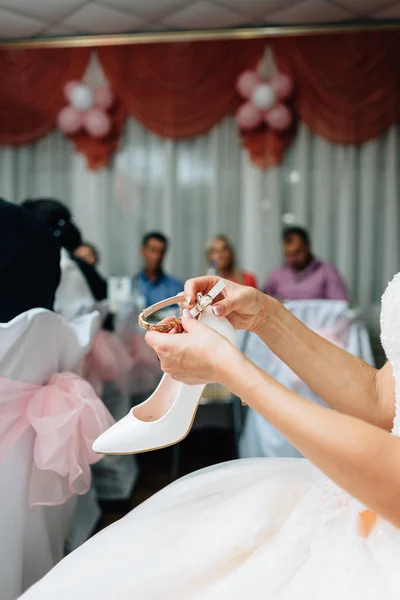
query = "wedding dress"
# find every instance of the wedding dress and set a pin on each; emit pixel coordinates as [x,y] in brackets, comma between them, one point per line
[271,529]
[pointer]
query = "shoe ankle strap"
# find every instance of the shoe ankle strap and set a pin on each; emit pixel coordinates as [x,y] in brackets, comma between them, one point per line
[163,327]
[202,303]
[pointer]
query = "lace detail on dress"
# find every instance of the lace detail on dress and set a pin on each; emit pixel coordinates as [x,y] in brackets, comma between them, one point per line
[390,338]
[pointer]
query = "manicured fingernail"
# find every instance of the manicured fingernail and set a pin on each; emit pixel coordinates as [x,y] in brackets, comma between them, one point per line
[188,300]
[217,310]
[186,314]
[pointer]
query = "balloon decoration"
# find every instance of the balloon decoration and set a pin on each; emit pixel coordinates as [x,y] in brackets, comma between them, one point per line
[279,118]
[264,101]
[97,123]
[69,120]
[264,97]
[81,97]
[87,110]
[249,116]
[103,98]
[247,83]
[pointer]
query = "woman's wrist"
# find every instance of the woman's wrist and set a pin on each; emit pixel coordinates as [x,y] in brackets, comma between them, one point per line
[225,360]
[235,372]
[269,311]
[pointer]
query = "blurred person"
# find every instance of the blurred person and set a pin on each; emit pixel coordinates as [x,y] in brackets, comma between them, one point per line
[221,254]
[82,290]
[31,273]
[47,413]
[87,252]
[303,276]
[152,282]
[97,283]
[81,285]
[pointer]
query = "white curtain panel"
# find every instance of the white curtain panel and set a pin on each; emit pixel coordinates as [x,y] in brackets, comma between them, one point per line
[193,189]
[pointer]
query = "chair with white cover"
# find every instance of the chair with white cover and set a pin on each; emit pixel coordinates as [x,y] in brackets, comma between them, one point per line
[39,352]
[106,368]
[331,319]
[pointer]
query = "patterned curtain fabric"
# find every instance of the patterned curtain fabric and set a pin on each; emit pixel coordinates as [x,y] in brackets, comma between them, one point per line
[348,85]
[179,90]
[31,90]
[347,89]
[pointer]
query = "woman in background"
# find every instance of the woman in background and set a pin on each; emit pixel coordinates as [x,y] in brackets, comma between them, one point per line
[87,252]
[30,263]
[82,289]
[46,415]
[220,252]
[81,285]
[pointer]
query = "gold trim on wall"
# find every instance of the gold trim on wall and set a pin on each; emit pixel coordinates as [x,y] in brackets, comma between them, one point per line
[122,39]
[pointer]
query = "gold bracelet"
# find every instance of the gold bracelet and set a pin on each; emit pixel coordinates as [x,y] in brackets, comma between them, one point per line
[202,303]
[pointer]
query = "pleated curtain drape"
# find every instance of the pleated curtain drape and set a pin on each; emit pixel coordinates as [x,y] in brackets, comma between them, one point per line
[191,189]
[347,89]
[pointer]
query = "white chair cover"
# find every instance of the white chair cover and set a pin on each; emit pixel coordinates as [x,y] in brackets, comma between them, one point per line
[114,476]
[33,347]
[333,320]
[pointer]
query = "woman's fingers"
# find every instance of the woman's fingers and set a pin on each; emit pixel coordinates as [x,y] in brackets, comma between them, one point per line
[224,307]
[166,320]
[177,329]
[154,340]
[198,285]
[162,343]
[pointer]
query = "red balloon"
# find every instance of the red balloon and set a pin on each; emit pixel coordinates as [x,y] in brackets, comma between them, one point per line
[69,120]
[283,85]
[97,123]
[248,116]
[279,118]
[103,97]
[247,82]
[68,87]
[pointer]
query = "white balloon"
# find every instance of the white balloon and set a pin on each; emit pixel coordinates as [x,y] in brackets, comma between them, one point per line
[264,96]
[81,97]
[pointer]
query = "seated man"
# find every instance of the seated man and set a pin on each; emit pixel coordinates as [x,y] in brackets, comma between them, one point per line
[152,282]
[304,277]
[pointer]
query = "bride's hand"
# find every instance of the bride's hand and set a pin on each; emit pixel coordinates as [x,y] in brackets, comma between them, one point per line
[197,358]
[245,307]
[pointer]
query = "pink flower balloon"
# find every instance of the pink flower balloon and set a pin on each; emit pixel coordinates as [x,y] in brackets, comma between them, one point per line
[279,118]
[97,123]
[69,120]
[248,116]
[68,87]
[247,82]
[103,97]
[283,85]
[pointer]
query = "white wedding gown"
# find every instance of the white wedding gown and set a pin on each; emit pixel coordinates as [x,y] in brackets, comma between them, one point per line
[270,529]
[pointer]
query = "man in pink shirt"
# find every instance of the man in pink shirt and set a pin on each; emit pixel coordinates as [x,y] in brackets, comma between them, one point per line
[304,277]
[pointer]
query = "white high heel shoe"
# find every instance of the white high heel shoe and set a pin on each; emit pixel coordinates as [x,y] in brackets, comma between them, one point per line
[167,416]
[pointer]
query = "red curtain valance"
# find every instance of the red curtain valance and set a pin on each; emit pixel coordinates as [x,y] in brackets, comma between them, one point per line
[179,90]
[31,90]
[347,89]
[348,85]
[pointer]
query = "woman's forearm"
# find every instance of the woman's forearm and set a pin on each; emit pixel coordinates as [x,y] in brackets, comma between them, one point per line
[361,458]
[344,381]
